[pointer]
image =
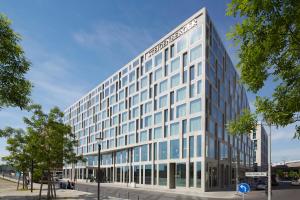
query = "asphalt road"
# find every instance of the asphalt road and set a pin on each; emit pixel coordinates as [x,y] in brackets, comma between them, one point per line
[282,192]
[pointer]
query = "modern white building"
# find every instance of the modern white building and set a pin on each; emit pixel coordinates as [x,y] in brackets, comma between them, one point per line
[162,116]
[260,141]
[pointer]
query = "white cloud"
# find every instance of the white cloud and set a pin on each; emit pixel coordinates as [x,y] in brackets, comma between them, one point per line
[110,34]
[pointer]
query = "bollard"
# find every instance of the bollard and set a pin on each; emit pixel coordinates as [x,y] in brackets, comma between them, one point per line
[127,195]
[138,197]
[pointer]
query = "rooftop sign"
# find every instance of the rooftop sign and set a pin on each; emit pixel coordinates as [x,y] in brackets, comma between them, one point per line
[171,38]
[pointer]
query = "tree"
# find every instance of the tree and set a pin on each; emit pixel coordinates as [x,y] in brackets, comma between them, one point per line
[15,90]
[269,39]
[51,142]
[19,158]
[47,141]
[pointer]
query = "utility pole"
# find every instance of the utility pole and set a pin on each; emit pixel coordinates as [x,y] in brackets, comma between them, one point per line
[269,165]
[98,173]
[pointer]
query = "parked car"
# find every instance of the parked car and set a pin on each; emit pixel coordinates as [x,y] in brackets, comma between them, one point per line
[261,185]
[296,182]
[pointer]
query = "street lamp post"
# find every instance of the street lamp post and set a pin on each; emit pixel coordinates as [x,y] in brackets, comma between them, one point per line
[98,171]
[269,165]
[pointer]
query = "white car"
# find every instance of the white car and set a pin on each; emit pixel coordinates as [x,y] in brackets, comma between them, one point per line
[296,182]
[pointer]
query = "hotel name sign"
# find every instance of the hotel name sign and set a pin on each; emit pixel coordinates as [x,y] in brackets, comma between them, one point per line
[171,38]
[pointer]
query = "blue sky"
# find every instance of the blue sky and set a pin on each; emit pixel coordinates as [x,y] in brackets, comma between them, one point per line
[74,45]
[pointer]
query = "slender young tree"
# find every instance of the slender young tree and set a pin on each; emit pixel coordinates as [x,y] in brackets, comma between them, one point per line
[14,88]
[269,40]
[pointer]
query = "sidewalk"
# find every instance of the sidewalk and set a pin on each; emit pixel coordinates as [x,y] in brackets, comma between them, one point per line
[8,192]
[180,191]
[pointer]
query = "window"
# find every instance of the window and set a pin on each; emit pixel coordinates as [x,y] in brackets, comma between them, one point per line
[135,112]
[172,98]
[174,149]
[192,90]
[148,107]
[184,126]
[199,69]
[199,85]
[157,133]
[158,59]
[147,121]
[135,100]
[163,86]
[175,80]
[180,94]
[199,145]
[163,174]
[185,59]
[195,106]
[144,152]
[132,76]
[192,73]
[131,89]
[158,74]
[184,76]
[131,139]
[174,129]
[198,174]
[144,82]
[195,35]
[131,126]
[195,124]
[172,50]
[124,81]
[195,53]
[136,152]
[163,150]
[166,54]
[148,65]
[121,95]
[144,95]
[163,101]
[191,143]
[181,44]
[181,110]
[175,64]
[184,147]
[158,118]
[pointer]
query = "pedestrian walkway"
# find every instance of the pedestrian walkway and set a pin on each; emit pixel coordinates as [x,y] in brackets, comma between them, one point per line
[180,191]
[8,191]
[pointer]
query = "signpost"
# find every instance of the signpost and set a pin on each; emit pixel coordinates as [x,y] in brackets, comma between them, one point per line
[244,188]
[256,174]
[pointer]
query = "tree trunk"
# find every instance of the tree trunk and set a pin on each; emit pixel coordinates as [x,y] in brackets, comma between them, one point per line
[48,180]
[41,190]
[23,181]
[18,182]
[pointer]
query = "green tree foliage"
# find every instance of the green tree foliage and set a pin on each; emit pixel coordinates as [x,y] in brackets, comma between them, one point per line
[243,124]
[47,141]
[269,39]
[14,88]
[19,157]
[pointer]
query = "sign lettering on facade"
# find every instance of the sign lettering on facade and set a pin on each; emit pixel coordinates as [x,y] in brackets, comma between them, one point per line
[254,174]
[171,38]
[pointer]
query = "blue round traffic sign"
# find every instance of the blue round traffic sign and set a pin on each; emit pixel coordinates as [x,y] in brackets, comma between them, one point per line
[244,188]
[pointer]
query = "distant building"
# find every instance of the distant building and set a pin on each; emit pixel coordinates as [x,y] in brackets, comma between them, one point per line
[260,142]
[162,116]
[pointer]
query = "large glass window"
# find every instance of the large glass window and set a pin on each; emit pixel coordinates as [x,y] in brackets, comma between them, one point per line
[199,174]
[144,82]
[143,136]
[181,110]
[195,124]
[184,147]
[195,53]
[163,86]
[163,174]
[174,128]
[135,100]
[195,106]
[144,95]
[148,169]
[132,76]
[192,73]
[174,149]
[158,74]
[184,126]
[148,107]
[181,94]
[135,112]
[199,85]
[131,139]
[195,35]
[163,151]
[181,44]
[132,89]
[191,184]
[157,133]
[136,152]
[157,118]
[175,64]
[144,152]
[191,143]
[175,80]
[199,145]
[181,174]
[148,121]
[163,101]
[136,174]
[158,59]
[148,65]
[199,68]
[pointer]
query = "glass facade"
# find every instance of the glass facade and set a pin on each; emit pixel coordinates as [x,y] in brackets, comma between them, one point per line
[165,106]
